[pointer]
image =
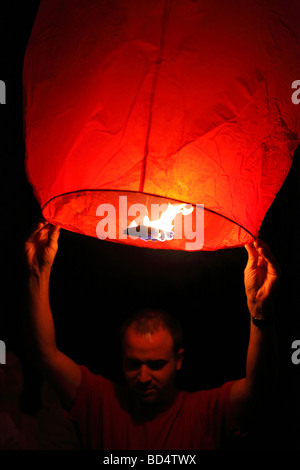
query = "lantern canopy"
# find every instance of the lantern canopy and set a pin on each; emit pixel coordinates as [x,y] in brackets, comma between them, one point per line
[138,103]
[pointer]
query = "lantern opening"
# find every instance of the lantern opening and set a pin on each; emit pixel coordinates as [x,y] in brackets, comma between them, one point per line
[131,218]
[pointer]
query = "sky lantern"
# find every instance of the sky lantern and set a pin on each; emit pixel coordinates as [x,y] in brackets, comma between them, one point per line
[165,124]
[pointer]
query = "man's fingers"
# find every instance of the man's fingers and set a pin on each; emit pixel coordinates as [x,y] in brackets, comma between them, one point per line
[36,228]
[268,256]
[251,250]
[43,231]
[252,255]
[260,255]
[54,231]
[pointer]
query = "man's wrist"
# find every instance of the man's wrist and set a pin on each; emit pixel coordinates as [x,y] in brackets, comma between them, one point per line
[261,310]
[262,322]
[262,315]
[39,275]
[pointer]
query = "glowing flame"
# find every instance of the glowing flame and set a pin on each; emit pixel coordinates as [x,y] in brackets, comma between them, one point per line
[160,229]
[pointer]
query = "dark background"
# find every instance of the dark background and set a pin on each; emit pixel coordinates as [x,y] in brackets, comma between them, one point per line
[95,284]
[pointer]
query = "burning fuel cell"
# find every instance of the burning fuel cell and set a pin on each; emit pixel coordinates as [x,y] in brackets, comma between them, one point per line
[160,229]
[149,233]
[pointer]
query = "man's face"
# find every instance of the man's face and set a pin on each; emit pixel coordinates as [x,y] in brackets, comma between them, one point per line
[149,364]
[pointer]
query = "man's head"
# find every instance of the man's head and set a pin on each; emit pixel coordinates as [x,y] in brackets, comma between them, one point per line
[152,354]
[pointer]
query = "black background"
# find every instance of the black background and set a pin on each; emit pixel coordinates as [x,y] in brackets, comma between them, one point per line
[95,284]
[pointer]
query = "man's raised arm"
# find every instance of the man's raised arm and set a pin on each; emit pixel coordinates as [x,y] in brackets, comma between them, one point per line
[261,277]
[63,373]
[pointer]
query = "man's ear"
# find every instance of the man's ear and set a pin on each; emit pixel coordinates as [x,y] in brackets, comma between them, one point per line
[179,358]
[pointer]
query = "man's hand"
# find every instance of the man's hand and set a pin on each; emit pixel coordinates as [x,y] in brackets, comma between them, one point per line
[261,277]
[41,247]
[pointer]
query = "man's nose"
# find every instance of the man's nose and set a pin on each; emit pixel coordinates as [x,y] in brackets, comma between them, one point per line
[144,375]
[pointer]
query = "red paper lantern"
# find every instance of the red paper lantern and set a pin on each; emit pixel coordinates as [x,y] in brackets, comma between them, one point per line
[147,102]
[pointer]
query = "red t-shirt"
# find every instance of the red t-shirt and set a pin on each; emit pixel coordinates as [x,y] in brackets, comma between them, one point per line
[195,420]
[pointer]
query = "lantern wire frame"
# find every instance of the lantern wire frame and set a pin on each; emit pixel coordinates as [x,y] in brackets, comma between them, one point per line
[77,211]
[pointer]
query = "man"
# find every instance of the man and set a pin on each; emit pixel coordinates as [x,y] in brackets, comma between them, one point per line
[150,414]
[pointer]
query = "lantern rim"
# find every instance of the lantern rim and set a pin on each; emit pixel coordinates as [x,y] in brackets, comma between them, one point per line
[147,194]
[53,215]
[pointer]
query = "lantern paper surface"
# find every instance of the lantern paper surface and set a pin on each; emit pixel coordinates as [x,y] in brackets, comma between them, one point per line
[144,102]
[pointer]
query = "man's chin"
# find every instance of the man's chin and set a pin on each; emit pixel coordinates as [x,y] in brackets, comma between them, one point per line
[147,396]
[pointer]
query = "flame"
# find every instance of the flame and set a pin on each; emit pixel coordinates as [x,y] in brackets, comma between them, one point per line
[163,227]
[167,217]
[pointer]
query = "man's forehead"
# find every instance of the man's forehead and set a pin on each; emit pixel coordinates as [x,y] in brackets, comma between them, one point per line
[156,344]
